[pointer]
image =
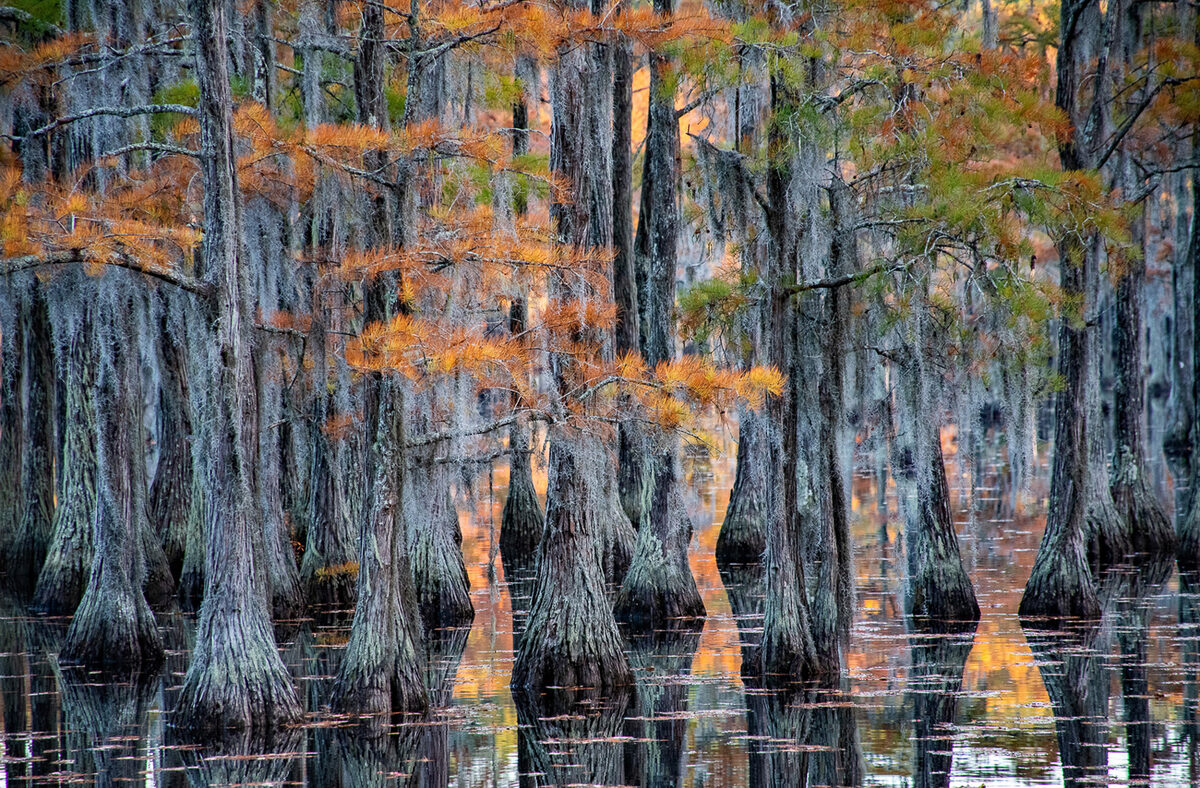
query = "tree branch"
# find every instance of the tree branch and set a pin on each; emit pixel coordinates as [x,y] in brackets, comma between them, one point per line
[15,265]
[120,112]
[840,281]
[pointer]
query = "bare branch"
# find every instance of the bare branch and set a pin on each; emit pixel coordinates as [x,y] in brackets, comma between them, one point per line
[14,265]
[119,112]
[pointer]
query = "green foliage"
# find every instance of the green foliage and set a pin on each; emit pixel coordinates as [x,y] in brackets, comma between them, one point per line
[395,105]
[712,309]
[185,92]
[501,91]
[45,14]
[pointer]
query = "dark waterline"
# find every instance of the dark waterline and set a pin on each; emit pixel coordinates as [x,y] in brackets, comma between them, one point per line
[915,706]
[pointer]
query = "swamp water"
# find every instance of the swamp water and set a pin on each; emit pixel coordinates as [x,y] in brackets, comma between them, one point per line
[997,708]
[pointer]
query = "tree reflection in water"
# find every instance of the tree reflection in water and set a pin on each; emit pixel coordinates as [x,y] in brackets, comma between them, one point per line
[570,737]
[934,687]
[1072,668]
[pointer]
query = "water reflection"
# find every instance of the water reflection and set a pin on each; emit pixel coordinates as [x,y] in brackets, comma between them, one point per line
[1001,705]
[1073,670]
[934,686]
[570,737]
[658,721]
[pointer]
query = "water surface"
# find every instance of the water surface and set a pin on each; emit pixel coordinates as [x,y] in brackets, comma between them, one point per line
[914,710]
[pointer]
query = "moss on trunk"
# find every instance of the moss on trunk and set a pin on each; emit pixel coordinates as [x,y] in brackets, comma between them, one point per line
[659,590]
[113,628]
[64,576]
[743,536]
[571,638]
[381,672]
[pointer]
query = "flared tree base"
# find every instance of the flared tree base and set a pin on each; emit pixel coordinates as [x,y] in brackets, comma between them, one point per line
[237,683]
[1149,530]
[1061,590]
[522,521]
[62,583]
[112,632]
[1109,542]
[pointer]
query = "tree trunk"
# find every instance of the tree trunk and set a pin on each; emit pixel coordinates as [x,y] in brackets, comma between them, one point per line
[64,576]
[522,521]
[659,590]
[1188,526]
[328,566]
[12,418]
[624,277]
[571,638]
[1147,530]
[283,577]
[434,541]
[28,549]
[659,586]
[382,670]
[1061,583]
[236,679]
[743,536]
[788,649]
[113,628]
[939,591]
[171,492]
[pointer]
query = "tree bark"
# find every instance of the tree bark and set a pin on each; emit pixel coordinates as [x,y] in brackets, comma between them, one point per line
[113,629]
[659,590]
[64,576]
[12,418]
[571,638]
[381,671]
[434,541]
[28,549]
[659,586]
[236,679]
[1147,530]
[1062,583]
[171,492]
[743,536]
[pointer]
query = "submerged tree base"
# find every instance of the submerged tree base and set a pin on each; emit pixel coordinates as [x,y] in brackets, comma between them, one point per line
[1060,590]
[237,681]
[1149,530]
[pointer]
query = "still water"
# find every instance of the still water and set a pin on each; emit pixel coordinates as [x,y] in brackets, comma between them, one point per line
[995,709]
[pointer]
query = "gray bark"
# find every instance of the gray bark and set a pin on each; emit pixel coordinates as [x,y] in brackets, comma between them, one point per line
[64,576]
[236,679]
[1147,530]
[381,671]
[1062,583]
[113,628]
[28,549]
[434,543]
[659,590]
[571,638]
[171,492]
